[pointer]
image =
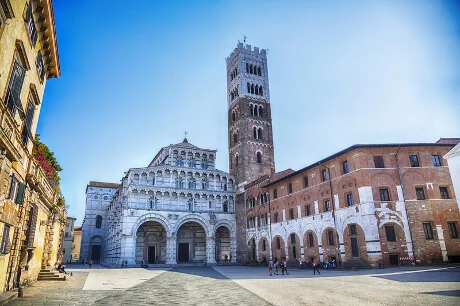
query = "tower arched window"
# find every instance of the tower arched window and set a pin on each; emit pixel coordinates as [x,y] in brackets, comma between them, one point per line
[259,133]
[233,116]
[98,221]
[261,92]
[261,111]
[257,90]
[252,109]
[251,69]
[236,160]
[259,71]
[235,138]
[259,157]
[247,67]
[255,110]
[254,130]
[249,88]
[252,88]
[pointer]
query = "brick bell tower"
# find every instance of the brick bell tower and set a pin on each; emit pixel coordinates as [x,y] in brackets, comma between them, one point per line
[250,137]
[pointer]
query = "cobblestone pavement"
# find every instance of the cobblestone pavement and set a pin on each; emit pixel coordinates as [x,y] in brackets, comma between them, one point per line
[239,285]
[187,285]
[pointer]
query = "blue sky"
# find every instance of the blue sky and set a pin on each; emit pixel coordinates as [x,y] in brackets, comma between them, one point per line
[135,77]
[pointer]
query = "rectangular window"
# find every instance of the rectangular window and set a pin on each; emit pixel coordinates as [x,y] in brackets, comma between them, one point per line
[378,161]
[311,242]
[327,205]
[390,232]
[276,217]
[345,167]
[420,193]
[40,66]
[13,92]
[444,192]
[330,237]
[307,210]
[453,229]
[27,128]
[353,229]
[428,229]
[384,195]
[293,238]
[414,161]
[13,188]
[275,193]
[436,160]
[291,214]
[31,25]
[305,181]
[5,239]
[290,187]
[350,201]
[264,247]
[324,175]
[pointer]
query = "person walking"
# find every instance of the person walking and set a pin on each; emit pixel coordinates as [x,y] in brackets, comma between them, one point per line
[284,267]
[270,266]
[90,263]
[276,266]
[315,267]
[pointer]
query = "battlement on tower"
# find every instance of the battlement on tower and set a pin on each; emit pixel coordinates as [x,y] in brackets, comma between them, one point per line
[246,48]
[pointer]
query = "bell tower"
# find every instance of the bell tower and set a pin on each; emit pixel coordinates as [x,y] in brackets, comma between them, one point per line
[250,137]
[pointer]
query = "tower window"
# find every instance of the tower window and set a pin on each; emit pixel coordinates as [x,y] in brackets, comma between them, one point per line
[327,205]
[261,109]
[247,68]
[259,133]
[261,91]
[444,193]
[236,160]
[259,71]
[98,222]
[259,157]
[233,116]
[278,243]
[252,88]
[291,214]
[254,130]
[235,138]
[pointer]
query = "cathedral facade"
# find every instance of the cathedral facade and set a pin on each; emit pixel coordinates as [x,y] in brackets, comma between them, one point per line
[179,208]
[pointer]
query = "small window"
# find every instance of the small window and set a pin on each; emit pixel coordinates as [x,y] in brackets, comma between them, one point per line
[275,193]
[311,242]
[290,187]
[384,195]
[264,247]
[98,222]
[278,243]
[327,205]
[40,66]
[350,201]
[31,25]
[436,160]
[276,217]
[293,238]
[353,229]
[420,193]
[291,214]
[330,237]
[390,232]
[428,229]
[259,157]
[444,192]
[235,138]
[378,161]
[324,175]
[345,167]
[236,160]
[305,181]
[453,229]
[307,210]
[414,161]
[5,239]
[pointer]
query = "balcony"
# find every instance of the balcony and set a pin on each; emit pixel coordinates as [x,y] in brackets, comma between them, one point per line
[36,176]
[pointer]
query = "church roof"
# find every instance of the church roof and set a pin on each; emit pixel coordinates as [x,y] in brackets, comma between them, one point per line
[102,185]
[185,144]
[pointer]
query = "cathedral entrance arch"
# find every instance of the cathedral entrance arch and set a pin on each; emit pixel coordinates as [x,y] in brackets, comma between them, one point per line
[95,249]
[223,244]
[151,243]
[191,242]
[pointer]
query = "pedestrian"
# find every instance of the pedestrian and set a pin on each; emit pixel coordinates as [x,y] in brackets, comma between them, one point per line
[90,263]
[315,267]
[276,266]
[126,263]
[270,266]
[142,263]
[284,267]
[300,262]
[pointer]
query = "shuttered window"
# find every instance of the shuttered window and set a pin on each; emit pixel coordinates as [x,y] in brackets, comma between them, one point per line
[31,25]
[26,130]
[378,161]
[13,93]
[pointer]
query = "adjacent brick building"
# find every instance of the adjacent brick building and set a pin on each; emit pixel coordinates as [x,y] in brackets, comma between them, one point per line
[366,204]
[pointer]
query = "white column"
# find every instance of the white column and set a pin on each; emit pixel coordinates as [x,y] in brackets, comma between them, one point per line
[171,250]
[316,207]
[442,242]
[299,212]
[336,202]
[210,250]
[286,248]
[284,215]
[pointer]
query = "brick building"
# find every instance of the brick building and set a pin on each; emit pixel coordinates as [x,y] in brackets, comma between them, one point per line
[365,204]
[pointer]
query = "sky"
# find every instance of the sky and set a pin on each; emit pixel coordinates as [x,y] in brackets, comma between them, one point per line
[136,75]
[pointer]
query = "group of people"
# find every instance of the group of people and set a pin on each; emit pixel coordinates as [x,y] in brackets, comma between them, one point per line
[276,265]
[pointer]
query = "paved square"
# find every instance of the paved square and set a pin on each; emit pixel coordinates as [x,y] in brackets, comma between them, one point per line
[240,285]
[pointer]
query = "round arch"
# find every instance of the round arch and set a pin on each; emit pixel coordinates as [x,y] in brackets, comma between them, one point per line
[228,225]
[194,218]
[152,217]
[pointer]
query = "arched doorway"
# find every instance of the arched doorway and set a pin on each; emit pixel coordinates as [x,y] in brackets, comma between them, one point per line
[222,244]
[96,249]
[191,243]
[151,243]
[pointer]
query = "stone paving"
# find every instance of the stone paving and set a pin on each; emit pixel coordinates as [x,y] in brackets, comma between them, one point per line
[239,285]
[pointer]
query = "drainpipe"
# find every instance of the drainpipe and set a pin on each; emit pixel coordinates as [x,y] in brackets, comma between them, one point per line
[333,210]
[405,205]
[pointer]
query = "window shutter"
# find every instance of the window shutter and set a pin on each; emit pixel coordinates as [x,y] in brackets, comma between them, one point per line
[20,195]
[15,85]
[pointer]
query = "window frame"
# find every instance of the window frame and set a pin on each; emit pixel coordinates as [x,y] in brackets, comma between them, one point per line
[379,161]
[305,181]
[291,214]
[324,177]
[420,193]
[453,229]
[382,191]
[390,233]
[414,160]
[5,238]
[275,193]
[428,230]
[350,200]
[327,205]
[290,188]
[444,192]
[330,238]
[345,168]
[311,240]
[98,221]
[308,210]
[275,216]
[436,161]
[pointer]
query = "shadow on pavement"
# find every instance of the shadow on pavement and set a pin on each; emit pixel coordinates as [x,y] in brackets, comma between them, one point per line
[445,293]
[440,276]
